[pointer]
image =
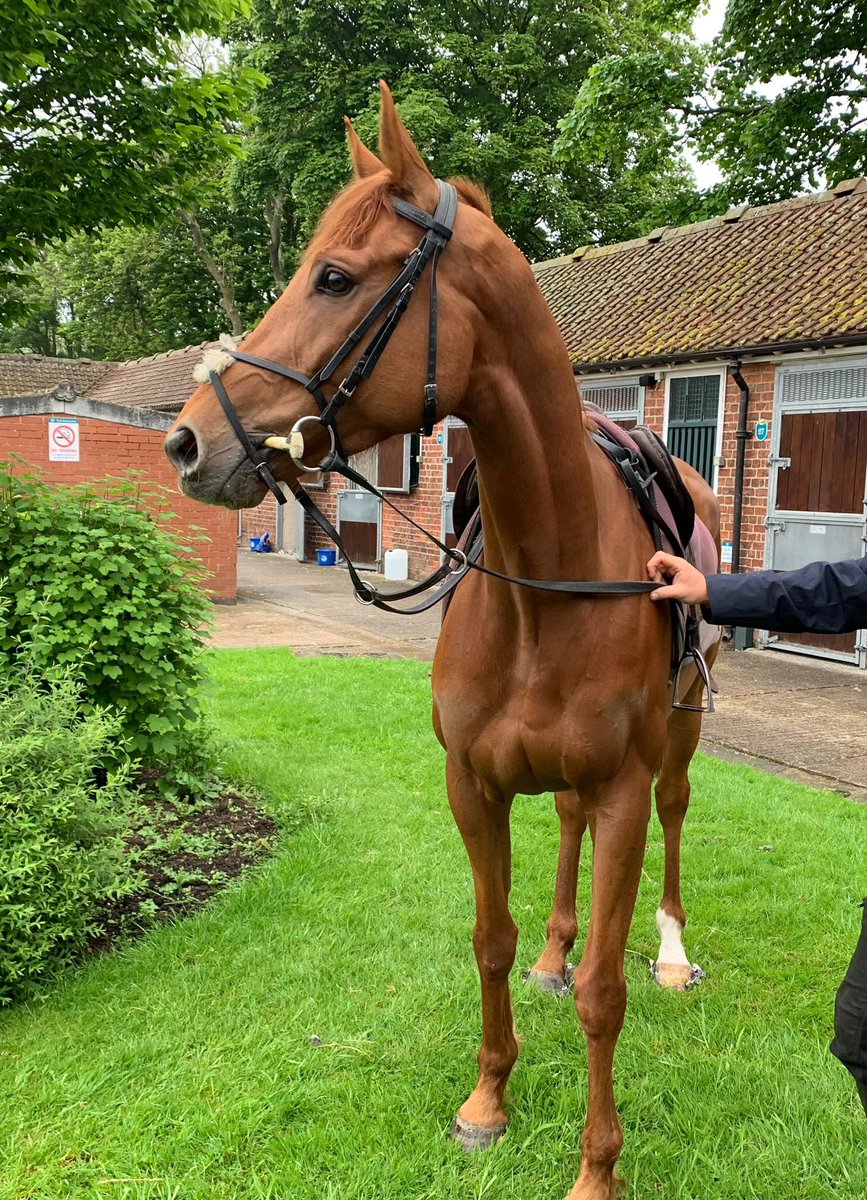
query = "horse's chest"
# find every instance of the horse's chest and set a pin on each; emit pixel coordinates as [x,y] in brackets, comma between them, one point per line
[531,725]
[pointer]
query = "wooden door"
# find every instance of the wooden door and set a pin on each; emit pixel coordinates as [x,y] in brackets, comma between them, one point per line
[819,508]
[359,514]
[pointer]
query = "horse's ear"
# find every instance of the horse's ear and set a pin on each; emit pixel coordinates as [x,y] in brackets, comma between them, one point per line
[364,161]
[400,155]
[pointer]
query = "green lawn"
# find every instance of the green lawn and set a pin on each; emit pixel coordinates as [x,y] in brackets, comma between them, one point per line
[183,1068]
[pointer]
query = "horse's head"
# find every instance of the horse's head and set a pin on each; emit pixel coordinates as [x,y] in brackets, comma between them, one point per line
[361,246]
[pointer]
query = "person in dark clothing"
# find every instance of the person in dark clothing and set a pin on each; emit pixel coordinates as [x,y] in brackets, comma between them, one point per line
[819,598]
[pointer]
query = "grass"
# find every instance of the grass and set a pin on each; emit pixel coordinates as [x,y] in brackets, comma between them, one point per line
[311,1034]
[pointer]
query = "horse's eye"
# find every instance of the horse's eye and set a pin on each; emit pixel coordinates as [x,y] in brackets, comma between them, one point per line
[334,282]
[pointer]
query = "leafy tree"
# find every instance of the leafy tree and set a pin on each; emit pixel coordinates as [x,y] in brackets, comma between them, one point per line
[779,99]
[482,85]
[127,292]
[100,124]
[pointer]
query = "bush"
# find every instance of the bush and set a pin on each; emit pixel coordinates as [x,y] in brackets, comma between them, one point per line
[95,583]
[61,818]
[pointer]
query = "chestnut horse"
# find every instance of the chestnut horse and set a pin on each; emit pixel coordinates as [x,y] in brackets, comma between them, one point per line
[532,691]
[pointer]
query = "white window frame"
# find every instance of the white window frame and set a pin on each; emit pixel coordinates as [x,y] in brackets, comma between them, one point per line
[722,374]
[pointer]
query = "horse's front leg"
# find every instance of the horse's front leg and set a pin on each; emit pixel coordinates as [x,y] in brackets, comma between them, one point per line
[483,821]
[621,812]
[672,968]
[550,972]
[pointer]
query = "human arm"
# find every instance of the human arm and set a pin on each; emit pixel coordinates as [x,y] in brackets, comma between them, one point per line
[819,598]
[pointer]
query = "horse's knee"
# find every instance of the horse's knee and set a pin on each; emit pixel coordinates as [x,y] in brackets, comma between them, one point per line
[601,1003]
[495,950]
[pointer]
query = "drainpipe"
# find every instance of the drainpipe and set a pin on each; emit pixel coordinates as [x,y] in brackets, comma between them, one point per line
[743,637]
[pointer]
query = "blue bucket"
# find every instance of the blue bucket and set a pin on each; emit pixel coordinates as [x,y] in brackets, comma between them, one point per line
[326,558]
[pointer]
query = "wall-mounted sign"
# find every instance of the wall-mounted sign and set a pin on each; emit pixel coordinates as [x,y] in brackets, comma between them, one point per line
[726,553]
[63,440]
[762,431]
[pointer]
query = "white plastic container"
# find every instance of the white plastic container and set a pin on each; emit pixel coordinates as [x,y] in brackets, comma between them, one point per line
[396,564]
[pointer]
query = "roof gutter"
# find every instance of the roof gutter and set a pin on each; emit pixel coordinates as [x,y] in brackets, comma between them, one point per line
[657,360]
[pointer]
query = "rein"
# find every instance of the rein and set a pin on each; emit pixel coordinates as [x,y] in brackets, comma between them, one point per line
[390,306]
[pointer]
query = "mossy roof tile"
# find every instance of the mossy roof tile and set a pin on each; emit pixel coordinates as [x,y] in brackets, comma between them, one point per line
[789,272]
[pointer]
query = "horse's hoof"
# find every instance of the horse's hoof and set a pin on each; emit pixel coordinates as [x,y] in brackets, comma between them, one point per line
[547,981]
[677,977]
[472,1137]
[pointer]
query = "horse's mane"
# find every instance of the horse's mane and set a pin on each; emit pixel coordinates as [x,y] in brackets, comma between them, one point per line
[356,209]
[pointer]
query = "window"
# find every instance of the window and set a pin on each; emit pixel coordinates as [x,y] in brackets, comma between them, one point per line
[693,417]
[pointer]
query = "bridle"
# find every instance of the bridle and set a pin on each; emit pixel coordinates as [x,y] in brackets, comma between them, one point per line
[393,303]
[389,308]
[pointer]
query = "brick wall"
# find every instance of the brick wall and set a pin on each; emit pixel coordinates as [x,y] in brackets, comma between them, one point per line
[111,448]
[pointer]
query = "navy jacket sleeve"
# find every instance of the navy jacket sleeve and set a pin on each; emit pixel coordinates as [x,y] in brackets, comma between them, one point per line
[820,598]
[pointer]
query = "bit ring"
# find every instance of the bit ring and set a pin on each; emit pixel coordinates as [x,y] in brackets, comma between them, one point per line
[297,456]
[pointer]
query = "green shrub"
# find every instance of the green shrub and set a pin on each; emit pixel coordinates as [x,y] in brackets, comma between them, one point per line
[61,817]
[96,583]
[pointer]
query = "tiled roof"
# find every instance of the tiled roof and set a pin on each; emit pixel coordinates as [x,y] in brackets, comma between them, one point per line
[162,381]
[793,272]
[36,375]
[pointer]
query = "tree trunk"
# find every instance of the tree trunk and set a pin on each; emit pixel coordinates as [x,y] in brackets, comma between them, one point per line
[222,280]
[274,217]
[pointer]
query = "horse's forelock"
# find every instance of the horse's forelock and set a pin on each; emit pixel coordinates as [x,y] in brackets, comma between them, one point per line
[354,212]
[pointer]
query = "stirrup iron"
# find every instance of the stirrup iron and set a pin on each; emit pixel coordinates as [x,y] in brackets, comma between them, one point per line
[694,654]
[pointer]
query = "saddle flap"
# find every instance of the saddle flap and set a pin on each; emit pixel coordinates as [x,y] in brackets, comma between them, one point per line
[466,500]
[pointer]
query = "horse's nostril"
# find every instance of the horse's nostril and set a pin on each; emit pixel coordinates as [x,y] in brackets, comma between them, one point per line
[182,448]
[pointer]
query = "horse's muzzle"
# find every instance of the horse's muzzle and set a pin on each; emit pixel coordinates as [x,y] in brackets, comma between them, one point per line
[225,477]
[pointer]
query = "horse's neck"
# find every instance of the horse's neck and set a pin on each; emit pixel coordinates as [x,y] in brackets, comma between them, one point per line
[539,505]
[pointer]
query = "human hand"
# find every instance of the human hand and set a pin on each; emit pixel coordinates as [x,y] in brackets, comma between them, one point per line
[683,581]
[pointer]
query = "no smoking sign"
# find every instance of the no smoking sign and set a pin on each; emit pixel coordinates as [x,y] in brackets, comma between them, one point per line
[63,440]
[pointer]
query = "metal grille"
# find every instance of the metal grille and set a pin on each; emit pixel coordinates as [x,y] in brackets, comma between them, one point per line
[692,421]
[824,385]
[620,401]
[695,444]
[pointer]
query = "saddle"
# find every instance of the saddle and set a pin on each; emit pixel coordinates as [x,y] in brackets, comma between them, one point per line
[649,471]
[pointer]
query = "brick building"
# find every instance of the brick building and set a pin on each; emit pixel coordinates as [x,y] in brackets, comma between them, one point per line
[108,419]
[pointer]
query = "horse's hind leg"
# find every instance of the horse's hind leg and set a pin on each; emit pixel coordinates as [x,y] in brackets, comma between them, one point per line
[550,972]
[673,968]
[484,825]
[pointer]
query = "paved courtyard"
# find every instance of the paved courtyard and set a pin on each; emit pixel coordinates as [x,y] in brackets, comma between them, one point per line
[798,716]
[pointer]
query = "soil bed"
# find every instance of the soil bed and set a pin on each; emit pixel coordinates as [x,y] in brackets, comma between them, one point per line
[180,855]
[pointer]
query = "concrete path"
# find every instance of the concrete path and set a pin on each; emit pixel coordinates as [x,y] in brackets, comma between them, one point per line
[790,714]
